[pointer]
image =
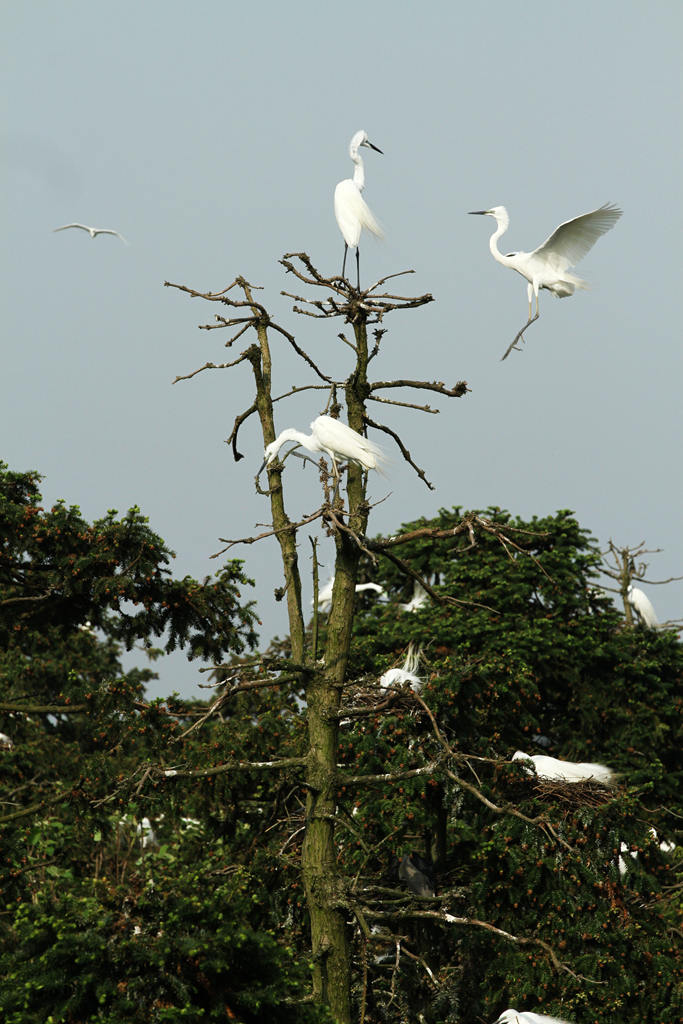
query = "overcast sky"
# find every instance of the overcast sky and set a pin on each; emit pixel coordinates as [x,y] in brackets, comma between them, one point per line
[212,135]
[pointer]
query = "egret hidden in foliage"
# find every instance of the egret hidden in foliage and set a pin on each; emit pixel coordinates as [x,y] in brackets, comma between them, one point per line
[548,265]
[350,209]
[335,439]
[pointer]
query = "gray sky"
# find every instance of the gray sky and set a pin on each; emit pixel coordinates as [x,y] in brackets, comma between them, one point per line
[212,137]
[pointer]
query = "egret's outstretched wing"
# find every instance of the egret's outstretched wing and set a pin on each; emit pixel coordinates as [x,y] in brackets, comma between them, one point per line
[84,227]
[572,240]
[109,231]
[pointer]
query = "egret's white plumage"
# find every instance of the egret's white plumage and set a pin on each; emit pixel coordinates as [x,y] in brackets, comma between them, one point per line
[525,1017]
[406,674]
[643,606]
[552,769]
[334,438]
[325,595]
[665,847]
[548,265]
[420,597]
[350,209]
[93,232]
[5,742]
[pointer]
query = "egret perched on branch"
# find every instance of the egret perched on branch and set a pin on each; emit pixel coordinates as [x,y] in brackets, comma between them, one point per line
[334,438]
[547,266]
[352,212]
[554,770]
[515,1017]
[643,606]
[93,231]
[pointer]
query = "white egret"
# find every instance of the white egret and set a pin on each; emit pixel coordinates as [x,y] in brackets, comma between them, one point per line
[547,266]
[350,209]
[524,1017]
[420,597]
[5,742]
[643,606]
[554,770]
[665,847]
[93,232]
[334,438]
[405,674]
[325,595]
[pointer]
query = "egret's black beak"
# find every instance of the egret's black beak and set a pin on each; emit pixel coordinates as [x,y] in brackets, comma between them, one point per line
[482,212]
[263,466]
[376,148]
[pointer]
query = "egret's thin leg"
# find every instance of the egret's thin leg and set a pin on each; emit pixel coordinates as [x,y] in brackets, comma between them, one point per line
[358,266]
[346,249]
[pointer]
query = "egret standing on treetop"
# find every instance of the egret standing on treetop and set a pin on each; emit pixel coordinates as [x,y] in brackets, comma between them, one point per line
[352,212]
[547,266]
[334,438]
[641,603]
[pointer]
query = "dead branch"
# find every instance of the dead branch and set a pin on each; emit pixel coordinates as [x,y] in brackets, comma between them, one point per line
[290,527]
[457,391]
[404,451]
[517,337]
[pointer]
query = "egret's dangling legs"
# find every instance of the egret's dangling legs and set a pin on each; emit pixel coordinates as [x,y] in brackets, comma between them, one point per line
[346,249]
[358,266]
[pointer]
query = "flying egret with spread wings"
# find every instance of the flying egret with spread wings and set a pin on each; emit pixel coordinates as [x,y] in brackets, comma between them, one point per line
[334,438]
[548,265]
[350,209]
[93,232]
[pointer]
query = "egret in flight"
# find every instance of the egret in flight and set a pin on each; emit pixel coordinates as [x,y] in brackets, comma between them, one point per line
[554,770]
[524,1017]
[325,595]
[93,231]
[352,212]
[334,438]
[548,265]
[643,606]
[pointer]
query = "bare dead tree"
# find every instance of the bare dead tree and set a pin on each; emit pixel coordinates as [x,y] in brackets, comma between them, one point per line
[625,566]
[344,517]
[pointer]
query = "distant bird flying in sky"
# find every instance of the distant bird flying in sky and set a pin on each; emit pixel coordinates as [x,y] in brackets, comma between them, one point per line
[93,231]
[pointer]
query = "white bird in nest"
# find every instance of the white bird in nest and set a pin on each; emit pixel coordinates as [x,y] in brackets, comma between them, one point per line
[93,232]
[548,265]
[525,1017]
[334,438]
[350,209]
[643,606]
[418,600]
[325,595]
[406,674]
[551,769]
[5,742]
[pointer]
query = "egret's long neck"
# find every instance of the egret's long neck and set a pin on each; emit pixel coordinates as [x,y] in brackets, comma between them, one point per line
[359,172]
[493,242]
